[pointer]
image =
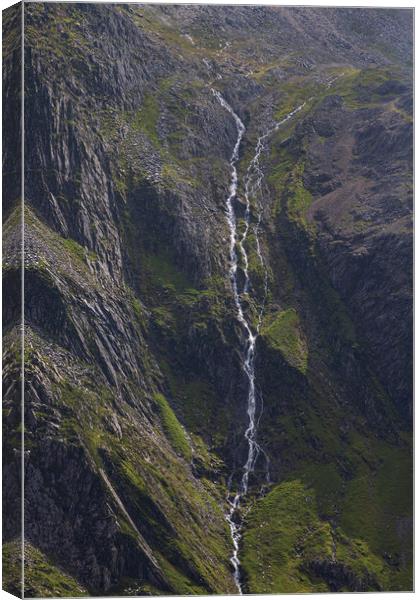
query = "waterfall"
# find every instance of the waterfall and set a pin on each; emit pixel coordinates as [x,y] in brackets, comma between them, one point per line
[252,185]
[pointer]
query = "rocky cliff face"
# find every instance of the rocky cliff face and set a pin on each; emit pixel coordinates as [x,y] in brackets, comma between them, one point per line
[135,405]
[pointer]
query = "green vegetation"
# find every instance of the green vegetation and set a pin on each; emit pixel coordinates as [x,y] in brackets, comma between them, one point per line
[149,20]
[12,567]
[346,473]
[75,249]
[181,582]
[378,505]
[290,209]
[196,400]
[178,312]
[294,93]
[146,118]
[358,498]
[66,43]
[255,268]
[173,428]
[287,180]
[359,87]
[42,577]
[167,504]
[278,528]
[164,274]
[13,219]
[282,332]
[56,253]
[375,504]
[126,132]
[288,548]
[299,198]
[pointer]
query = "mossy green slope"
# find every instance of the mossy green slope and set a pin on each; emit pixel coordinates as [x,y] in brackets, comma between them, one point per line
[336,522]
[172,509]
[282,333]
[173,428]
[289,547]
[42,578]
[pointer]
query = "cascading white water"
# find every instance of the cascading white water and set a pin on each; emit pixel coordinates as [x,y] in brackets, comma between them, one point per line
[253,180]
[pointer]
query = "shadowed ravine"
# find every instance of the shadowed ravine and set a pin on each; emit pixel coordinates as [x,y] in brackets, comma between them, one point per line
[253,191]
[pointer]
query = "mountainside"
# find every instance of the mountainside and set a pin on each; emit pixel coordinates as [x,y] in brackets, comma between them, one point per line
[214,400]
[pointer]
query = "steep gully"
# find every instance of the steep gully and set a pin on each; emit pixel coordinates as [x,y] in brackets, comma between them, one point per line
[252,190]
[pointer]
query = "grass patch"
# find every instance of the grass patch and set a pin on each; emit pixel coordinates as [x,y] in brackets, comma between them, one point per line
[197,401]
[278,528]
[288,548]
[287,180]
[283,333]
[167,504]
[299,198]
[173,428]
[360,88]
[378,506]
[163,273]
[294,93]
[146,118]
[77,250]
[42,578]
